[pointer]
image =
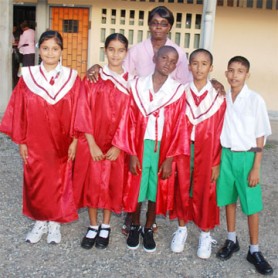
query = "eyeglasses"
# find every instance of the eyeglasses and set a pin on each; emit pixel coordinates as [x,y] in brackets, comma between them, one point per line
[161,24]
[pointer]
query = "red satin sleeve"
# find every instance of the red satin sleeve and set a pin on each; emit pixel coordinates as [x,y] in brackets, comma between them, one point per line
[14,122]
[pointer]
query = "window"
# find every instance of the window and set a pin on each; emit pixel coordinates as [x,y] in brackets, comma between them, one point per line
[103,17]
[269,4]
[198,21]
[249,4]
[131,17]
[122,20]
[141,18]
[188,21]
[101,54]
[186,40]
[113,16]
[259,4]
[178,38]
[196,40]
[179,20]
[130,36]
[139,36]
[230,3]
[70,26]
[102,34]
[220,2]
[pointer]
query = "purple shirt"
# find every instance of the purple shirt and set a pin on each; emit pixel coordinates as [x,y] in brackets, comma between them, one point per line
[139,61]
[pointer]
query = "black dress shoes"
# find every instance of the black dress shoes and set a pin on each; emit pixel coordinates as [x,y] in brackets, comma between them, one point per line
[262,266]
[227,250]
[102,242]
[88,243]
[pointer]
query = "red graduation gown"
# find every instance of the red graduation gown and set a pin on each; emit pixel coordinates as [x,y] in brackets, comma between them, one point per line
[99,184]
[200,206]
[130,138]
[46,129]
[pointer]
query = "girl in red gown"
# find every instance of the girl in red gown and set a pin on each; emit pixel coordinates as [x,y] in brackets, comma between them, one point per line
[39,118]
[99,170]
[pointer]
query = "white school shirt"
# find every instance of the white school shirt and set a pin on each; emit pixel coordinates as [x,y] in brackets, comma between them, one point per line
[245,120]
[170,92]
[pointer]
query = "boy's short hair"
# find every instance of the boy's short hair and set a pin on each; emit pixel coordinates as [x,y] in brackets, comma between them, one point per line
[167,48]
[200,50]
[240,59]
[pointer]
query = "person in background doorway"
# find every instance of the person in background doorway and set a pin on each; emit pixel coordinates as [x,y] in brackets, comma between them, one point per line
[26,45]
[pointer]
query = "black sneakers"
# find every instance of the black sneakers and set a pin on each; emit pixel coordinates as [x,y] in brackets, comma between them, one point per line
[148,241]
[133,237]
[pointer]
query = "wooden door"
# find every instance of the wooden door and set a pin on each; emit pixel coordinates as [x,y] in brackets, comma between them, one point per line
[72,24]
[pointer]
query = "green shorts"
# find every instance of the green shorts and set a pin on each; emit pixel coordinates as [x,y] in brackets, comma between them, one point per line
[148,185]
[233,182]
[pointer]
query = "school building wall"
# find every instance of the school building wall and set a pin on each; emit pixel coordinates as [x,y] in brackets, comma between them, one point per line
[252,33]
[239,30]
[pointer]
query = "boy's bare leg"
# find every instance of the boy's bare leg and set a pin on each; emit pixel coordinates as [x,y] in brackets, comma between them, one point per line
[150,214]
[136,215]
[253,224]
[231,217]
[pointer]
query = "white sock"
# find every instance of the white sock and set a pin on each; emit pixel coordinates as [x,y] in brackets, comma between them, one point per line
[205,234]
[232,236]
[92,234]
[182,229]
[104,233]
[254,248]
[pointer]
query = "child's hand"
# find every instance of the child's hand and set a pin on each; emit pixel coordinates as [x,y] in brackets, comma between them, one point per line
[23,151]
[215,173]
[166,168]
[72,149]
[134,165]
[92,73]
[96,153]
[218,87]
[112,153]
[254,177]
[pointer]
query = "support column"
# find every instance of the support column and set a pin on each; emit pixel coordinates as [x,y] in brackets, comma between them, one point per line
[6,29]
[208,19]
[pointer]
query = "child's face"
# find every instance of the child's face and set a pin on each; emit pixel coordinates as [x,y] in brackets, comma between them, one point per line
[200,66]
[50,53]
[236,75]
[166,62]
[115,52]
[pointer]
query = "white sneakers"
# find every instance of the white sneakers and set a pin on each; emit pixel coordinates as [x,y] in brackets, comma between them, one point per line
[204,249]
[40,228]
[54,234]
[37,232]
[179,239]
[205,241]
